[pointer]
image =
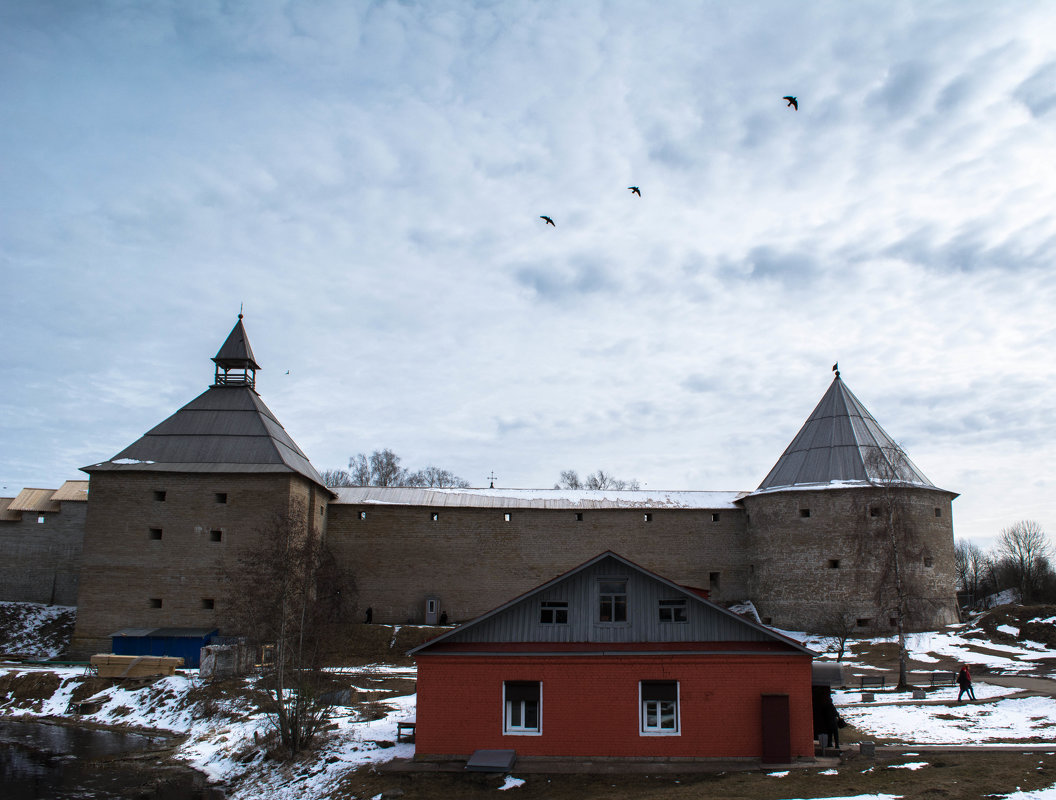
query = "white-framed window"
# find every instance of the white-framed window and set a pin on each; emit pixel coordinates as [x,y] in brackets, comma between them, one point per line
[658,708]
[522,703]
[673,610]
[553,612]
[612,600]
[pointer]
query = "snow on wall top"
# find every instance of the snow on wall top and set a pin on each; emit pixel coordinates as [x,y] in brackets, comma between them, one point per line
[535,498]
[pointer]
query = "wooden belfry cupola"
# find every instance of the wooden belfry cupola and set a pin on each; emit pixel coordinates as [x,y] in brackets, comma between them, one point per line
[235,365]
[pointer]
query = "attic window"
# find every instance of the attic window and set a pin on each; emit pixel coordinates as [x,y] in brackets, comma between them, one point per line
[612,601]
[221,497]
[938,512]
[435,517]
[648,517]
[804,512]
[673,610]
[553,612]
[208,604]
[155,534]
[159,496]
[834,563]
[216,536]
[715,517]
[579,516]
[154,602]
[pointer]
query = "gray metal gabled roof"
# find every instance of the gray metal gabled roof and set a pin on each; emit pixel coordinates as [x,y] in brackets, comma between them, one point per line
[235,351]
[224,429]
[838,444]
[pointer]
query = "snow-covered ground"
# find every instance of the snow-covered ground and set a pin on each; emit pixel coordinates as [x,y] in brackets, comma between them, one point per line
[225,745]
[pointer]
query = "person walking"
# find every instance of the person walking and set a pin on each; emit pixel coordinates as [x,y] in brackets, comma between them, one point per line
[964,680]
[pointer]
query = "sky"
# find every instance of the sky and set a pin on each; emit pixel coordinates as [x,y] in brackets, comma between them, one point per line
[366,180]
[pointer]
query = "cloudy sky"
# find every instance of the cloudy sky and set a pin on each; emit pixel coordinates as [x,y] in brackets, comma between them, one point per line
[368,179]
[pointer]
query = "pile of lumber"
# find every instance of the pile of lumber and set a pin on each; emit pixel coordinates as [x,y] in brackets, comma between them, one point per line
[107,665]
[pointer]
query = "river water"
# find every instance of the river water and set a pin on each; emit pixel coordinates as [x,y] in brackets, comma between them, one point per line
[39,761]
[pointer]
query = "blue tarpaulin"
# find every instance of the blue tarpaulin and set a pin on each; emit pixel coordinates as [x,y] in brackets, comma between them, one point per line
[185,643]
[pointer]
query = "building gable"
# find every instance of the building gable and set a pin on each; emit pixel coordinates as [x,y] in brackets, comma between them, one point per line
[608,601]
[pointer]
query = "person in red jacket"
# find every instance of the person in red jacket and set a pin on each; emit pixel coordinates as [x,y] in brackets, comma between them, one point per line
[964,680]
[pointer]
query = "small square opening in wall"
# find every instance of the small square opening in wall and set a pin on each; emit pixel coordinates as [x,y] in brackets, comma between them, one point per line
[929,561]
[713,580]
[834,563]
[221,497]
[434,517]
[863,622]
[715,517]
[874,511]
[159,495]
[804,512]
[893,622]
[362,515]
[208,604]
[216,536]
[506,517]
[938,512]
[648,517]
[154,602]
[40,519]
[155,534]
[579,516]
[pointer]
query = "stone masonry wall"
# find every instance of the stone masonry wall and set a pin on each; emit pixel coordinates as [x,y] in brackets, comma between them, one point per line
[151,562]
[40,562]
[806,569]
[473,559]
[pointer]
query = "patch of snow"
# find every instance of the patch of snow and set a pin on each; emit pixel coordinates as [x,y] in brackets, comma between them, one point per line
[746,609]
[1008,629]
[782,774]
[1036,794]
[909,765]
[511,783]
[129,461]
[829,772]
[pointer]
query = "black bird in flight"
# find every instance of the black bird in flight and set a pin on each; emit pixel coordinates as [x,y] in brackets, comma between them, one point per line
[791,101]
[548,220]
[635,190]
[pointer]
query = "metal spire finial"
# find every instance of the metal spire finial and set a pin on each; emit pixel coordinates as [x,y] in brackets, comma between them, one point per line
[491,478]
[836,368]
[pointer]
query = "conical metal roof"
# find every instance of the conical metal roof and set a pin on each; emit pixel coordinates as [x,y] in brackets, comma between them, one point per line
[224,429]
[841,443]
[235,353]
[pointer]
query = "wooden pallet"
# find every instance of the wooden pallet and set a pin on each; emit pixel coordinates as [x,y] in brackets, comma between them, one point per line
[108,665]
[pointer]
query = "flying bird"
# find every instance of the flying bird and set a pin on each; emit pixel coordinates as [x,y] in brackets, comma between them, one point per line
[548,220]
[635,190]
[791,101]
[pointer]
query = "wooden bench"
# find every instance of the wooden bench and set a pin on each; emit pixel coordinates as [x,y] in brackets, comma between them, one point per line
[405,728]
[943,679]
[873,681]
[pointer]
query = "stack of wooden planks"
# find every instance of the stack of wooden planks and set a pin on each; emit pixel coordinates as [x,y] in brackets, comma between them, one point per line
[107,665]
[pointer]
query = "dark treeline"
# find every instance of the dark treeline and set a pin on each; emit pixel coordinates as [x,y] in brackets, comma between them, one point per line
[1021,560]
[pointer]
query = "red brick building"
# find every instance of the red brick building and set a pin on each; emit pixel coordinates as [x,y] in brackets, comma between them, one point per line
[611,660]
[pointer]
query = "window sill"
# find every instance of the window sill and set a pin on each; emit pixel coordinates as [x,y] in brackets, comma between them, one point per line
[660,733]
[522,733]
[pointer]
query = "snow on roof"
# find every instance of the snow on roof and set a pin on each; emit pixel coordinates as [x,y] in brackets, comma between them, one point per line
[535,498]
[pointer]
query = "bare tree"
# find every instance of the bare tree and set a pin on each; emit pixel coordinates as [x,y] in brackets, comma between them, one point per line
[334,478]
[898,593]
[382,468]
[836,629]
[971,567]
[1024,550]
[596,480]
[284,591]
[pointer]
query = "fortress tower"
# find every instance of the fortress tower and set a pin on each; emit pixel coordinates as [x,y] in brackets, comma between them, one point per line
[840,510]
[173,510]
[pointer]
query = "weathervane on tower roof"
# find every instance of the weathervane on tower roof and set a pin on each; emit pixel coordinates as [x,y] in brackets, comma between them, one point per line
[836,368]
[491,478]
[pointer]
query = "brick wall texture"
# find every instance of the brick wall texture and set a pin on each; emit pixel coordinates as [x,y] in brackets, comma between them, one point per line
[589,705]
[40,562]
[150,562]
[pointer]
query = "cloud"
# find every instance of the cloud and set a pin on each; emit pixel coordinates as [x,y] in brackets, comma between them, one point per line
[576,278]
[1038,92]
